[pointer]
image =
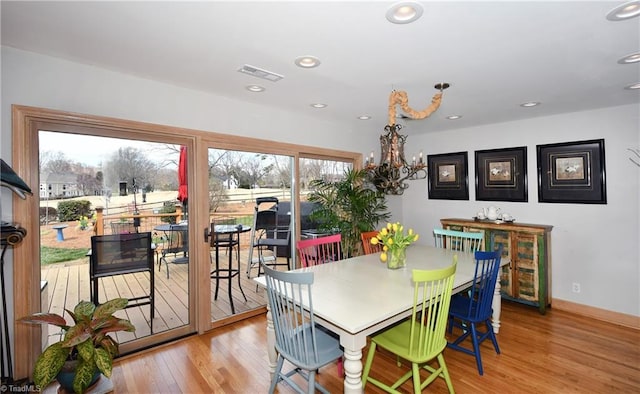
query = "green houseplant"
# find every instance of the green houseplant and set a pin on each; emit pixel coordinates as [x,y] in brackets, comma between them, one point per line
[86,344]
[348,206]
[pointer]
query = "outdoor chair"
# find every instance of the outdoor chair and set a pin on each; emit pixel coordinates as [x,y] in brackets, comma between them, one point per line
[472,309]
[367,247]
[175,246]
[467,242]
[421,338]
[268,235]
[298,340]
[120,254]
[314,251]
[123,228]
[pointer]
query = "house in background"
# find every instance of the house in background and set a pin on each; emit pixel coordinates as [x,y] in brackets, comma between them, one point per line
[55,185]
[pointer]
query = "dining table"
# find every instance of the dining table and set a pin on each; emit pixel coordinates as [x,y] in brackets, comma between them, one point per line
[359,296]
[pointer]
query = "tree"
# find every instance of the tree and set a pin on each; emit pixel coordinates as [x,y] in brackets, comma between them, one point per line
[127,164]
[281,171]
[54,162]
[348,206]
[250,171]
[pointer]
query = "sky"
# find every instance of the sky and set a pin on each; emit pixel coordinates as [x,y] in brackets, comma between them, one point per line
[91,150]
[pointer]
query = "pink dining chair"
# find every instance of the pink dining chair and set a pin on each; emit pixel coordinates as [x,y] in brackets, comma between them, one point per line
[320,250]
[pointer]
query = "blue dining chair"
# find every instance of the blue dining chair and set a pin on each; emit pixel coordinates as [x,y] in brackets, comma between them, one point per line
[472,309]
[298,340]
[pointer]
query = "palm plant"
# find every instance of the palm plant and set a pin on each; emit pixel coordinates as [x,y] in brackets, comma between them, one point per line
[348,206]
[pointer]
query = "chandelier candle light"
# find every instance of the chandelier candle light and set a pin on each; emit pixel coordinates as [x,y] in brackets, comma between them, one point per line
[392,172]
[394,244]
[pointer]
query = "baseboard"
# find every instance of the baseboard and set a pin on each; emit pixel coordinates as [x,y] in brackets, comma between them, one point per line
[621,319]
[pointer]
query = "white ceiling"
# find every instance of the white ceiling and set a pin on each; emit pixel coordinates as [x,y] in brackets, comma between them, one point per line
[495,55]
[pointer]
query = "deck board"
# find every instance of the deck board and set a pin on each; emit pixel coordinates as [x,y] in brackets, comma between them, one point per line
[68,283]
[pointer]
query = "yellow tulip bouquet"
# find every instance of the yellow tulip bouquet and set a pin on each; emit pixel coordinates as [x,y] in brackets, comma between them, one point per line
[394,241]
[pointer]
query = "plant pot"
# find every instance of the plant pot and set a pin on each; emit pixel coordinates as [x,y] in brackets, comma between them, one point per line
[68,373]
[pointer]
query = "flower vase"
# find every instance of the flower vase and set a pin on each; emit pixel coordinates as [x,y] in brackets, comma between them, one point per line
[397,258]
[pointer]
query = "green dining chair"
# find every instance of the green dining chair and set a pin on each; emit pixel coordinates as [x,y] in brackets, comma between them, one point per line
[420,339]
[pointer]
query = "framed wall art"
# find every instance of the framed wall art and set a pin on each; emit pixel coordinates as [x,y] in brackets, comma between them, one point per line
[501,174]
[448,176]
[572,172]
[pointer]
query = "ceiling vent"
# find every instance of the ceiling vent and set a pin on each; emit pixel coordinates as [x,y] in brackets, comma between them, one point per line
[260,73]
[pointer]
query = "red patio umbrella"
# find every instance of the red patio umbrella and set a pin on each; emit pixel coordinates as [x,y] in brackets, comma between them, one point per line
[182,177]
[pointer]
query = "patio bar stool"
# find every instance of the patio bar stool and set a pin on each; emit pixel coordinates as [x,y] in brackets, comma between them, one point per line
[228,240]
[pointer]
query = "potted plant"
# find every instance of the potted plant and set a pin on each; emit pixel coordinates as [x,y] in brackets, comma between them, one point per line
[86,350]
[348,206]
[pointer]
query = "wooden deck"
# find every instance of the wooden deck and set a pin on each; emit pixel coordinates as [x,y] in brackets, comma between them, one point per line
[68,283]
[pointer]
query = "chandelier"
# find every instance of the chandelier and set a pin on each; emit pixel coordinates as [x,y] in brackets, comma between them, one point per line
[391,174]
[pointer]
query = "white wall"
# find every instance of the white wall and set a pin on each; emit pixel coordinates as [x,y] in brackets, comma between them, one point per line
[594,245]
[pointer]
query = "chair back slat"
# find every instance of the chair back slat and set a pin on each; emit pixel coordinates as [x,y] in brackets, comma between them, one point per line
[367,247]
[320,250]
[484,284]
[120,253]
[462,241]
[294,327]
[431,300]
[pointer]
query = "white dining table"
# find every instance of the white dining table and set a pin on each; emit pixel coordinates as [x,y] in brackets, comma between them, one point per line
[358,296]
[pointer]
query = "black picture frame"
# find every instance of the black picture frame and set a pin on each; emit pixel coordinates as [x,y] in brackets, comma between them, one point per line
[501,174]
[572,172]
[448,176]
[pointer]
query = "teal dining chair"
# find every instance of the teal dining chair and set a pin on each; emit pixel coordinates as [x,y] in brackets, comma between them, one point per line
[298,340]
[420,339]
[462,241]
[470,310]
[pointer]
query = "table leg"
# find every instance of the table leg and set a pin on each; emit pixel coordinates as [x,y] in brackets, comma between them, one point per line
[353,346]
[497,308]
[271,343]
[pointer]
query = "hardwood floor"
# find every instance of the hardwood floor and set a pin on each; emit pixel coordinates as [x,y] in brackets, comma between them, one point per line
[554,353]
[68,283]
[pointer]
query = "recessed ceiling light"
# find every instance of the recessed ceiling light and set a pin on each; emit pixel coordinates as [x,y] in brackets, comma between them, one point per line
[530,104]
[630,58]
[454,117]
[633,87]
[364,117]
[255,88]
[404,12]
[307,61]
[624,11]
[318,105]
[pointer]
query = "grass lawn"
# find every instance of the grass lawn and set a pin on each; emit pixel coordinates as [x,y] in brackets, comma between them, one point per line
[50,255]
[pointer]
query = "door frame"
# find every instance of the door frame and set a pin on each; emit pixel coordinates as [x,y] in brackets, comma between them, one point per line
[27,121]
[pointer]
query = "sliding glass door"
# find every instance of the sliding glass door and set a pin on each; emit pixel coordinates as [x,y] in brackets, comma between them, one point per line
[93,187]
[242,185]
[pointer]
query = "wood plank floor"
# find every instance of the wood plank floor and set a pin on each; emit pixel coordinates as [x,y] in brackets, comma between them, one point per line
[554,353]
[68,283]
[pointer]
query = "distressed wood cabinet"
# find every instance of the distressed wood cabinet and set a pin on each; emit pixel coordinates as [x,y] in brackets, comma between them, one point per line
[527,279]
